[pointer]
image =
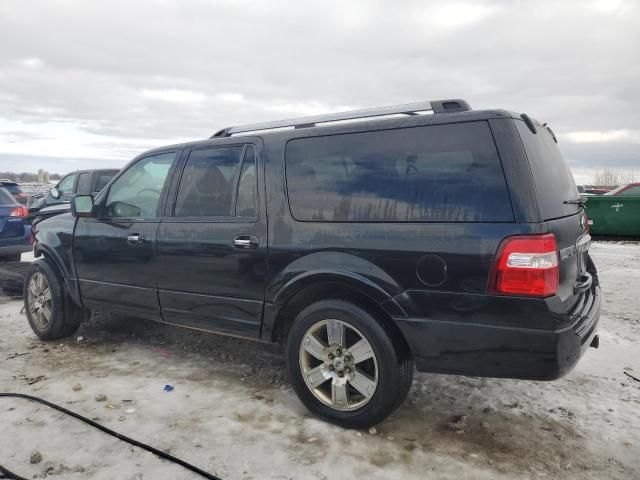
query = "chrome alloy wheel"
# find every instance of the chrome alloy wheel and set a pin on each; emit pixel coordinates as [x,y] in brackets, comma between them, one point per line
[338,365]
[39,300]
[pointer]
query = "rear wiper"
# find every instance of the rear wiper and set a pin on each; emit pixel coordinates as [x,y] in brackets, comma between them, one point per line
[577,201]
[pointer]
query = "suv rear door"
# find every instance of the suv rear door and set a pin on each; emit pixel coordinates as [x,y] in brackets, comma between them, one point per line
[212,248]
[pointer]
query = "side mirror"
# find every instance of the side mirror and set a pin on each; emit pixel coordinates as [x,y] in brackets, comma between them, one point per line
[55,193]
[82,206]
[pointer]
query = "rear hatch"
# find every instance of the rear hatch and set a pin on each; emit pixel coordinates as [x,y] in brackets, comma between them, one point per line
[558,202]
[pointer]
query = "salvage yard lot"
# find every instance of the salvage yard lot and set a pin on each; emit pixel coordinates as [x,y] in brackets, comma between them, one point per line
[233,413]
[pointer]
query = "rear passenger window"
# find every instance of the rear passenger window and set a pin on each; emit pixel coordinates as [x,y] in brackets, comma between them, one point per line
[208,182]
[440,173]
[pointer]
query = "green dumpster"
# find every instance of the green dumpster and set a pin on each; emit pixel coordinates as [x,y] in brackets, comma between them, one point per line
[614,215]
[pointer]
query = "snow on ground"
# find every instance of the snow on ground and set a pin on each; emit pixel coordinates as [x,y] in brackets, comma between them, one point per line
[233,413]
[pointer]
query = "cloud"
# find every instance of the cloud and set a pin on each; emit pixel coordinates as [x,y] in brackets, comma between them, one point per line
[105,80]
[32,62]
[173,95]
[603,136]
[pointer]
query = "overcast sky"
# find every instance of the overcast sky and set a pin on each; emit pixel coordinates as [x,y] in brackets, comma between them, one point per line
[91,83]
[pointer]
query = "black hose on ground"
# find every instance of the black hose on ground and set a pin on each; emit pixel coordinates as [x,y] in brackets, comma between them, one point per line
[108,431]
[6,474]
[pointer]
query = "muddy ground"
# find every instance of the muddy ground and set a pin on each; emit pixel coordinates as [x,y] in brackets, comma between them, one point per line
[233,413]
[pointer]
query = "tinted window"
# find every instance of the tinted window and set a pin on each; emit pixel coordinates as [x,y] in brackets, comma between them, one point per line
[65,186]
[84,183]
[247,186]
[552,178]
[441,173]
[208,182]
[136,193]
[5,197]
[631,191]
[102,178]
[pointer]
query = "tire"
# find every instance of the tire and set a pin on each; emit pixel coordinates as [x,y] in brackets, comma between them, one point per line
[342,396]
[64,315]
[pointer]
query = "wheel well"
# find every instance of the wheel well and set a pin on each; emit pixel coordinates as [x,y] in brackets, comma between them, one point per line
[44,255]
[323,291]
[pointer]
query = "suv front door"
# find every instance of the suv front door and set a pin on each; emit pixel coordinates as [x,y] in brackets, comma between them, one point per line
[114,252]
[212,248]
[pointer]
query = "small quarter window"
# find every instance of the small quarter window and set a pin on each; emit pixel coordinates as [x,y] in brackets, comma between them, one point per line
[247,186]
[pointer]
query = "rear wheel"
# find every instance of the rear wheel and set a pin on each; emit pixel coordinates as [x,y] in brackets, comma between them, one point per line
[345,366]
[50,311]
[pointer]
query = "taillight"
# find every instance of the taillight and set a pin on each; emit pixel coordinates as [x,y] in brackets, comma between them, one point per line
[526,265]
[20,211]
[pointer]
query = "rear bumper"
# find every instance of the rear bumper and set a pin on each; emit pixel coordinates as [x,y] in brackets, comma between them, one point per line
[502,351]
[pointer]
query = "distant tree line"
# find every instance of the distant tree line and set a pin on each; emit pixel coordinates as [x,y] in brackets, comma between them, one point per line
[27,177]
[611,178]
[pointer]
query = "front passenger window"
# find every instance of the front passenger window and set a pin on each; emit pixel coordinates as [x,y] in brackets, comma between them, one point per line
[136,193]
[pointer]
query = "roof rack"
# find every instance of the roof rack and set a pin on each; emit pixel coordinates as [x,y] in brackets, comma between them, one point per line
[435,106]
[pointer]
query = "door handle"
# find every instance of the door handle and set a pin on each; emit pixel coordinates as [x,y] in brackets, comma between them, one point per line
[135,239]
[246,242]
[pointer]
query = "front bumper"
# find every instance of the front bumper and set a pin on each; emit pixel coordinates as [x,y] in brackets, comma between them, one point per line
[503,351]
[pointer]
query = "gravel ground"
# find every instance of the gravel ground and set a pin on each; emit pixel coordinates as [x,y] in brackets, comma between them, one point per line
[233,413]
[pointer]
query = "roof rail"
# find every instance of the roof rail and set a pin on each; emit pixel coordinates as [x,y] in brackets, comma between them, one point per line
[436,106]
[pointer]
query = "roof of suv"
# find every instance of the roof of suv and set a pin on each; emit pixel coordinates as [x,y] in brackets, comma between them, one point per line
[338,123]
[97,170]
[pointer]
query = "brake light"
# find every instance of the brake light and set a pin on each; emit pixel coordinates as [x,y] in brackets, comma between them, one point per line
[20,211]
[526,265]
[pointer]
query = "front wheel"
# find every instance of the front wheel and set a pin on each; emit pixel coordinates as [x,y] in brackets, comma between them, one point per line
[50,311]
[345,366]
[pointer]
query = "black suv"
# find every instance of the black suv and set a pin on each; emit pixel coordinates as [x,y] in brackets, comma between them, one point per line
[366,242]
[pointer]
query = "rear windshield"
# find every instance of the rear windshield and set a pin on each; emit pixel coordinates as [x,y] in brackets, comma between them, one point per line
[5,197]
[551,175]
[439,173]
